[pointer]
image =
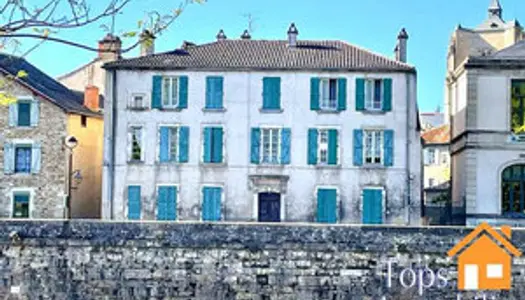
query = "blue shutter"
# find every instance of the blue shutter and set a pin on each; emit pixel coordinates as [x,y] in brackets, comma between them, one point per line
[326,206]
[358,147]
[217,145]
[13,114]
[314,93]
[255,152]
[183,92]
[9,158]
[35,113]
[341,94]
[36,158]
[389,147]
[134,202]
[387,94]
[312,146]
[360,94]
[214,92]
[332,147]
[271,93]
[156,92]
[167,203]
[164,151]
[372,206]
[184,144]
[286,135]
[211,203]
[207,143]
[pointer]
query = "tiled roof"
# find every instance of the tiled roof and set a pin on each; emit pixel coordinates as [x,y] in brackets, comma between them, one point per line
[44,85]
[267,55]
[438,135]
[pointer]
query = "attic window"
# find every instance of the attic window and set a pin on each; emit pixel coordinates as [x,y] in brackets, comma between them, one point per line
[493,25]
[83,121]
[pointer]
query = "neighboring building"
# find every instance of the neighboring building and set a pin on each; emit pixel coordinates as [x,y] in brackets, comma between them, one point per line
[431,120]
[34,167]
[263,130]
[436,159]
[487,97]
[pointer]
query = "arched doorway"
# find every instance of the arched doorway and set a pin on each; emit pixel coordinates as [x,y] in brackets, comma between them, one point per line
[513,190]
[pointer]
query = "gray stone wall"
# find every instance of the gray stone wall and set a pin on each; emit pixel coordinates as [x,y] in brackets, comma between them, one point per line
[49,186]
[92,260]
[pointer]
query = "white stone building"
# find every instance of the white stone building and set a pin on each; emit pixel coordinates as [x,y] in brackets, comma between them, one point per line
[263,130]
[486,92]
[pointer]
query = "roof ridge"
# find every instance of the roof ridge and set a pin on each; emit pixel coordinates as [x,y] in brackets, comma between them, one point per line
[77,69]
[404,64]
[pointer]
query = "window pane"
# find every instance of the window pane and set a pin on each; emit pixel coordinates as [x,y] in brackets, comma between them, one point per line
[166,91]
[275,146]
[266,145]
[368,147]
[174,92]
[377,147]
[517,106]
[136,143]
[377,94]
[333,94]
[21,205]
[368,94]
[325,93]
[174,142]
[24,114]
[323,146]
[23,159]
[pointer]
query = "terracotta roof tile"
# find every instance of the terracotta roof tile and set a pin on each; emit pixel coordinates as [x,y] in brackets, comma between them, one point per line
[438,135]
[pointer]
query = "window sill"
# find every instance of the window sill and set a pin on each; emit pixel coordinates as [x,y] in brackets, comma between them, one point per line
[214,110]
[214,165]
[169,163]
[324,166]
[373,112]
[23,127]
[176,109]
[136,162]
[138,108]
[267,165]
[271,110]
[374,166]
[328,111]
[21,175]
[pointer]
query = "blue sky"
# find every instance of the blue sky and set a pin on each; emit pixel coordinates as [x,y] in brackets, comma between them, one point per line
[372,24]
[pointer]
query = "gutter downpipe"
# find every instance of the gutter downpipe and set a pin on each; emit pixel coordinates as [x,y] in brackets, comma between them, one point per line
[113,135]
[407,152]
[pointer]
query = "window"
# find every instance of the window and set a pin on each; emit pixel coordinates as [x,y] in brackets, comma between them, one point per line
[328,94]
[170,92]
[518,106]
[431,182]
[327,205]
[174,144]
[138,101]
[24,113]
[83,121]
[167,203]
[270,145]
[21,205]
[374,94]
[323,146]
[23,159]
[494,271]
[513,183]
[213,145]
[214,92]
[211,203]
[271,93]
[373,140]
[444,158]
[430,156]
[136,147]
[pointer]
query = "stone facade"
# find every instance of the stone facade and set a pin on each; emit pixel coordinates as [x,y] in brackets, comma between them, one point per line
[48,186]
[87,260]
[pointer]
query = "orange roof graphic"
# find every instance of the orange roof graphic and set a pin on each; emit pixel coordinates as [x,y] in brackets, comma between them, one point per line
[481,229]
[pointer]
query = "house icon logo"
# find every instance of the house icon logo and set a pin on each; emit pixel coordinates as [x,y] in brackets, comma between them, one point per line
[485,259]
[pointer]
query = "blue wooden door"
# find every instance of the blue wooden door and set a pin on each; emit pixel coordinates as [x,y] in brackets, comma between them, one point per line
[269,207]
[372,206]
[167,203]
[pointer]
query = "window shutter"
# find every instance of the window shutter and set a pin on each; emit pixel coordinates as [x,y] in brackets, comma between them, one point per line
[358,147]
[341,94]
[286,135]
[314,93]
[35,113]
[162,203]
[332,147]
[184,144]
[389,148]
[360,94]
[9,158]
[214,92]
[164,151]
[327,206]
[387,94]
[183,92]
[13,114]
[207,144]
[271,93]
[209,92]
[217,145]
[255,153]
[171,209]
[134,202]
[312,146]
[36,158]
[219,92]
[156,92]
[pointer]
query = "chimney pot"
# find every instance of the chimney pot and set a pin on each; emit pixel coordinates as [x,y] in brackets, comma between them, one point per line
[401,47]
[246,35]
[91,98]
[292,35]
[147,43]
[221,36]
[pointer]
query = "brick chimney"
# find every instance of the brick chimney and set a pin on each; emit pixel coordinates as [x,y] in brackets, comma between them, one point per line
[147,43]
[91,98]
[109,48]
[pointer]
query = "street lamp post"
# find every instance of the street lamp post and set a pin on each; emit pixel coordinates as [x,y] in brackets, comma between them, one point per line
[71,143]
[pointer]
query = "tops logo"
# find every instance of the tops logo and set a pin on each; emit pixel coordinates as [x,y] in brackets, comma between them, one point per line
[485,259]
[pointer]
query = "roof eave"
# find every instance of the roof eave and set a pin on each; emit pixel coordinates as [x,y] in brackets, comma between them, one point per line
[411,70]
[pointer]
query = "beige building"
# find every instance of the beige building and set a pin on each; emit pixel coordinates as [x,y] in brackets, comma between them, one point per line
[486,103]
[35,131]
[436,162]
